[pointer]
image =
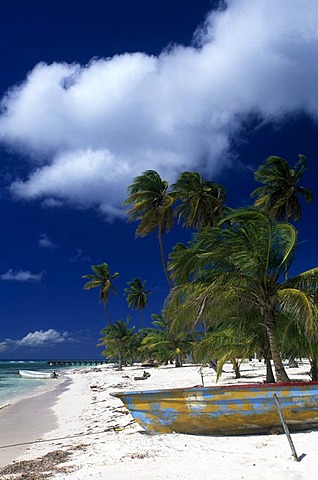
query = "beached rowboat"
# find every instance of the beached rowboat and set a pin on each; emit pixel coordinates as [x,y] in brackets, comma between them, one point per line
[224,410]
[36,374]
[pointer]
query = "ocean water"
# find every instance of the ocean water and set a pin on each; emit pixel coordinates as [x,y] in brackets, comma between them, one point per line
[14,387]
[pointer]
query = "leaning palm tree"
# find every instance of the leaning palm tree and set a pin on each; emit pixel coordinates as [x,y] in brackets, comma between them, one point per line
[279,194]
[137,296]
[151,205]
[102,278]
[201,202]
[242,262]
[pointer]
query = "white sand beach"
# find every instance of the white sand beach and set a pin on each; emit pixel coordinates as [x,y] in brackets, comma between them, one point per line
[96,438]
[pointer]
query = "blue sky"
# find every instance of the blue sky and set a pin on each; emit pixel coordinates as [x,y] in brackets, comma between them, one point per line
[93,94]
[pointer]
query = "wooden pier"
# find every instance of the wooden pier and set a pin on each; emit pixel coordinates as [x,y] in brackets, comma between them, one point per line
[74,363]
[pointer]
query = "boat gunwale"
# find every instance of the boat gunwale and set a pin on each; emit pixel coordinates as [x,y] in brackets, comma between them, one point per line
[238,387]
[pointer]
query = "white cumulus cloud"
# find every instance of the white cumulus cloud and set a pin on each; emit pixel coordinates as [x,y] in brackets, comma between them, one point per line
[39,338]
[45,242]
[21,276]
[88,130]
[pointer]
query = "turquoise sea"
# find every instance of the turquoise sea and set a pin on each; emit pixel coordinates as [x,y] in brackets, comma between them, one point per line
[13,387]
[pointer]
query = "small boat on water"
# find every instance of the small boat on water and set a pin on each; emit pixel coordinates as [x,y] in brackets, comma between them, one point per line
[224,410]
[37,374]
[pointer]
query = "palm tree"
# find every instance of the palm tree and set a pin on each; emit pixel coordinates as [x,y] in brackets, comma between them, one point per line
[120,333]
[191,307]
[226,345]
[241,263]
[163,344]
[279,194]
[151,205]
[201,201]
[296,343]
[234,335]
[102,278]
[136,296]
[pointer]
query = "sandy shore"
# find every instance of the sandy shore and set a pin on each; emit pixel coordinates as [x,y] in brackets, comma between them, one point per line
[27,420]
[96,438]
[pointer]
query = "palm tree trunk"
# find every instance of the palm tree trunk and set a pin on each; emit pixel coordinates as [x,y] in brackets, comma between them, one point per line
[202,307]
[214,362]
[266,353]
[281,375]
[236,367]
[120,361]
[314,368]
[178,359]
[163,260]
[269,371]
[286,220]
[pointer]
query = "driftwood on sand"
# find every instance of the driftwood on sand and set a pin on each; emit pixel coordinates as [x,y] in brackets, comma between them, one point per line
[144,376]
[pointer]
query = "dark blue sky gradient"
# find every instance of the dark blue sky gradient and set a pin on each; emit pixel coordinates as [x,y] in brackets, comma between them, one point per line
[76,31]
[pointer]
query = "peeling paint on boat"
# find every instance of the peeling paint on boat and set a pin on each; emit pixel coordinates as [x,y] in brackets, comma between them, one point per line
[224,410]
[196,402]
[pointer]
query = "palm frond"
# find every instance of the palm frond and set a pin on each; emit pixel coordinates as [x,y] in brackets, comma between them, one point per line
[300,306]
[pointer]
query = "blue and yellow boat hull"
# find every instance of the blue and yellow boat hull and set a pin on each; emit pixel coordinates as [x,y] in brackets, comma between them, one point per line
[224,410]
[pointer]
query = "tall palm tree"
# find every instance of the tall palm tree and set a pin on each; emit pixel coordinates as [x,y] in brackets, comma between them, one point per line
[201,201]
[102,278]
[151,205]
[136,296]
[279,194]
[243,265]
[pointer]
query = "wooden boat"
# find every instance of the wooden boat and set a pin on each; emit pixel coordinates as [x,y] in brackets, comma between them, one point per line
[224,410]
[37,374]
